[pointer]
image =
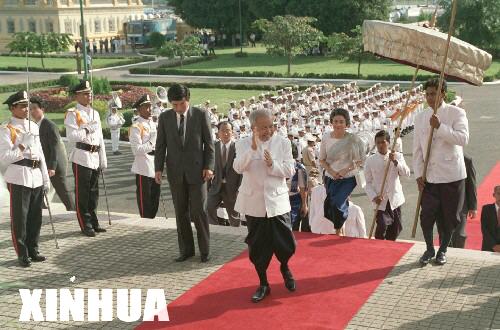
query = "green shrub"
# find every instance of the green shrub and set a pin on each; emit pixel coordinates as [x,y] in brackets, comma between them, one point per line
[100,106]
[69,80]
[450,96]
[101,86]
[127,115]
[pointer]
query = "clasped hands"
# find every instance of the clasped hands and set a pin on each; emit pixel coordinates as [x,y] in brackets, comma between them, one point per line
[267,155]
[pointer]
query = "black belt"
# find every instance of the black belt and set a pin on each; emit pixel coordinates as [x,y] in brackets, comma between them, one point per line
[28,163]
[152,153]
[87,147]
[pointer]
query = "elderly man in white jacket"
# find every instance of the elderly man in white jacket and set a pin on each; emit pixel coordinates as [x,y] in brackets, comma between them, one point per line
[443,187]
[389,201]
[265,160]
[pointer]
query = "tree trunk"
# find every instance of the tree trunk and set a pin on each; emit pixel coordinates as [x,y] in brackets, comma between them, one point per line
[289,62]
[41,58]
[359,65]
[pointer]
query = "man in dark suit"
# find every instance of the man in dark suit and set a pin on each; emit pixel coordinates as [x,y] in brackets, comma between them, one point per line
[490,223]
[224,186]
[470,205]
[54,152]
[184,142]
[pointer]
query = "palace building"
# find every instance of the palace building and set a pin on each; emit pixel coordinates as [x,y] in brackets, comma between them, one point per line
[103,18]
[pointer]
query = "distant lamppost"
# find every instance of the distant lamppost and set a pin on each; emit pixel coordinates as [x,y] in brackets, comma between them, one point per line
[241,30]
[84,42]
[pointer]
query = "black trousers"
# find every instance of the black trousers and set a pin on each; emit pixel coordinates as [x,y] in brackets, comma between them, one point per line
[58,181]
[26,218]
[441,204]
[190,204]
[148,196]
[459,236]
[86,196]
[229,199]
[268,236]
[388,223]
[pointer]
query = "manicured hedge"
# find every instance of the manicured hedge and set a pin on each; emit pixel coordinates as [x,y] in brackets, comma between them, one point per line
[38,69]
[209,85]
[189,60]
[271,74]
[72,56]
[33,85]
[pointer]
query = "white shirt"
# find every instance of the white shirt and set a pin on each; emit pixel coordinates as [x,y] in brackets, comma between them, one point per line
[374,174]
[10,153]
[446,163]
[178,115]
[76,133]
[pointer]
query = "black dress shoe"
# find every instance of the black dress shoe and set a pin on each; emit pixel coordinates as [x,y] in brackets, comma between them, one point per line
[289,280]
[24,261]
[89,232]
[426,257]
[183,257]
[205,258]
[261,293]
[440,258]
[37,257]
[99,229]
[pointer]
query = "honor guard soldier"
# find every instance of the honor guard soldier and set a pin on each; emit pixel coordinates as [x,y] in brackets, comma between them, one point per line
[88,157]
[26,177]
[142,137]
[115,121]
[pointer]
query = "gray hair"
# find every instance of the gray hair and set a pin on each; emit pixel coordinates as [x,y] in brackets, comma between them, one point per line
[254,115]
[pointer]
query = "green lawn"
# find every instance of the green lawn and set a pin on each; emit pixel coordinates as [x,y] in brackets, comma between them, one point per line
[60,63]
[258,60]
[221,97]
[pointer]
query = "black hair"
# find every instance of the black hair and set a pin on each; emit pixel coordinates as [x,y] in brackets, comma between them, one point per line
[341,112]
[224,122]
[434,82]
[38,101]
[177,92]
[384,134]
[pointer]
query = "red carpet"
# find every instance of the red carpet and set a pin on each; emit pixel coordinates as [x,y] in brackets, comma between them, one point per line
[484,196]
[335,276]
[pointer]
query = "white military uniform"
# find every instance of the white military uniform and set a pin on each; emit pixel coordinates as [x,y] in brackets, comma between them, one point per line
[115,122]
[142,139]
[75,118]
[24,181]
[10,138]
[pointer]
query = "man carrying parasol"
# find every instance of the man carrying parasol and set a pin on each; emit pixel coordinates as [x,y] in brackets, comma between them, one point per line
[443,188]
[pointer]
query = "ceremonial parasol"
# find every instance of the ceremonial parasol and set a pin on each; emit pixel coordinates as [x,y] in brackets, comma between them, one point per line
[428,49]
